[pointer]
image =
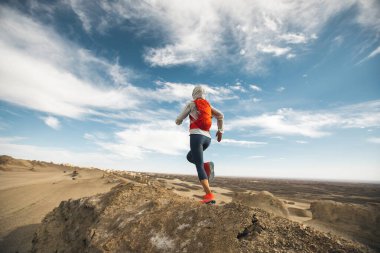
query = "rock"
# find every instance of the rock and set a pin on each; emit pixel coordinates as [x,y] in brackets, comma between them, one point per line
[264,200]
[361,222]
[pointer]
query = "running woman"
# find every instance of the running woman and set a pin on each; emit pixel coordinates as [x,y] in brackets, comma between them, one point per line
[200,113]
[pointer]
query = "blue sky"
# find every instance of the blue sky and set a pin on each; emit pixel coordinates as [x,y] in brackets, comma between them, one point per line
[100,83]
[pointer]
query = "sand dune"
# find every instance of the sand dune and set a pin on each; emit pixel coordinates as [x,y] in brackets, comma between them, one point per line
[299,212]
[264,200]
[26,196]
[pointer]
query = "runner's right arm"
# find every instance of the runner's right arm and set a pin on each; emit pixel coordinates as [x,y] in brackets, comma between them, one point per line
[185,112]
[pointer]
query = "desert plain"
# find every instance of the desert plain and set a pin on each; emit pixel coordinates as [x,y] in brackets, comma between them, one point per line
[47,207]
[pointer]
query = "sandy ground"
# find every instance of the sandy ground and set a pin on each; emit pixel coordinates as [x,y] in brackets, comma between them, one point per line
[298,210]
[30,189]
[26,196]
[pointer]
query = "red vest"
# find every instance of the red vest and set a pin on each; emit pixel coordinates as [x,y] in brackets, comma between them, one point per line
[204,115]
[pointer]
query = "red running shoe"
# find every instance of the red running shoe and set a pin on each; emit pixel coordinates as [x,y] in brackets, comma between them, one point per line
[208,199]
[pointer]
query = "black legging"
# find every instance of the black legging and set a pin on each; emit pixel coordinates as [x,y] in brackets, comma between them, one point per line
[198,143]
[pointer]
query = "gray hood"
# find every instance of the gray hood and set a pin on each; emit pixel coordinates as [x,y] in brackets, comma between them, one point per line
[199,92]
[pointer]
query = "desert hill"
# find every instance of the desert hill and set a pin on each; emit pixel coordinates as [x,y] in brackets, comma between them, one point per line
[149,218]
[31,189]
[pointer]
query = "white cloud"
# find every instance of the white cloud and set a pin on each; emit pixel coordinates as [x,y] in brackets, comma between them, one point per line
[369,13]
[59,77]
[287,122]
[11,139]
[160,136]
[256,157]
[371,55]
[44,72]
[52,122]
[238,87]
[280,89]
[255,87]
[43,87]
[361,115]
[293,38]
[201,33]
[313,124]
[242,143]
[290,56]
[338,40]
[180,92]
[163,137]
[81,11]
[270,49]
[375,140]
[256,100]
[302,142]
[374,53]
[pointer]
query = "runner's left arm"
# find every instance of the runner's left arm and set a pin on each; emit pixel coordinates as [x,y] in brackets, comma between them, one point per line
[219,117]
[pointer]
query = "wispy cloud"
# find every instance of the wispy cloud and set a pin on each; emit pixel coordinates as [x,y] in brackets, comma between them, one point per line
[371,55]
[52,122]
[375,140]
[368,13]
[50,74]
[256,157]
[374,53]
[274,50]
[280,89]
[199,32]
[11,139]
[314,124]
[135,140]
[44,87]
[293,38]
[238,87]
[255,87]
[61,78]
[242,143]
[180,92]
[290,56]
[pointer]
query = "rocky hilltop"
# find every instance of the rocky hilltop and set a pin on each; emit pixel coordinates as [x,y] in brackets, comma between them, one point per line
[147,217]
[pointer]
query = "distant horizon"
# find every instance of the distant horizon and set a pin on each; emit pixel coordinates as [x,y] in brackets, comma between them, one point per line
[320,180]
[102,83]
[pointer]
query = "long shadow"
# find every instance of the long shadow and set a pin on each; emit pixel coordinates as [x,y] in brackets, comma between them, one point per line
[19,240]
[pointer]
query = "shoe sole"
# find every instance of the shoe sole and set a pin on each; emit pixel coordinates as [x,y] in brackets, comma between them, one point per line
[211,202]
[212,174]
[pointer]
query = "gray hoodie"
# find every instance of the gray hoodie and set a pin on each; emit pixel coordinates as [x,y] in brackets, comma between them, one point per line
[191,109]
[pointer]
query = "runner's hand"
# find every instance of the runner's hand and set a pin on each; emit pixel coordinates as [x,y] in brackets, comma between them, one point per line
[219,136]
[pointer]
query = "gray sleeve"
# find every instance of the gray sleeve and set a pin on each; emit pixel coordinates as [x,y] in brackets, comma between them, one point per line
[219,117]
[185,112]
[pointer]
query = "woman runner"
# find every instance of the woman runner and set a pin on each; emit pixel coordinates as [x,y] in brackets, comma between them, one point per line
[200,113]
